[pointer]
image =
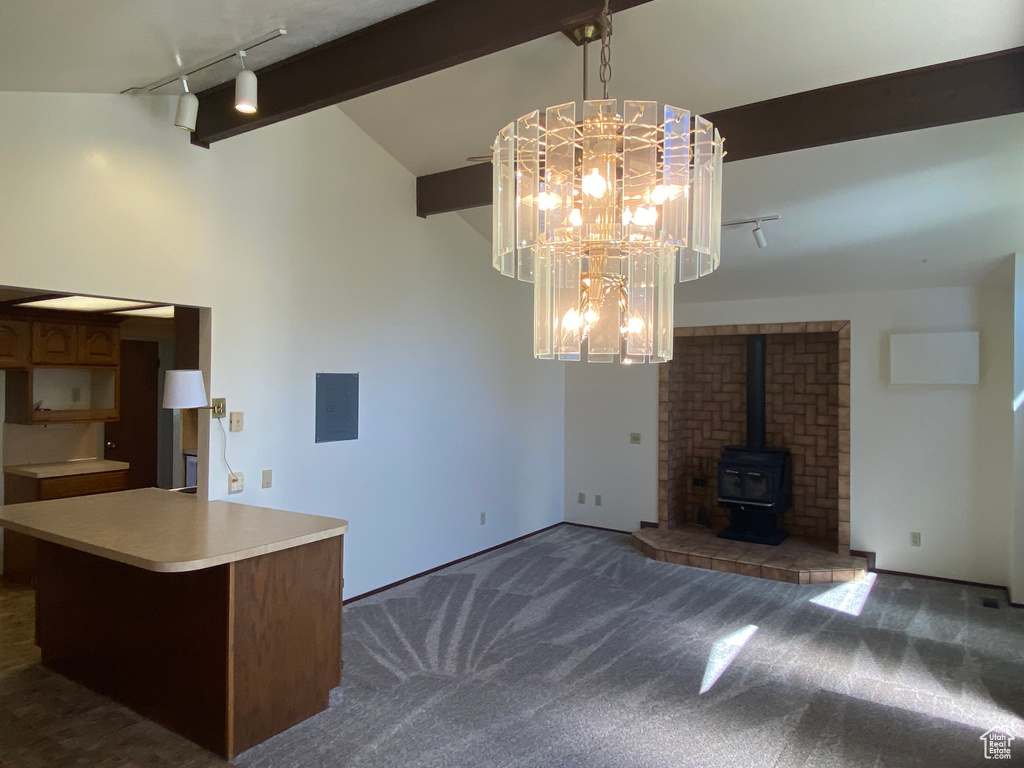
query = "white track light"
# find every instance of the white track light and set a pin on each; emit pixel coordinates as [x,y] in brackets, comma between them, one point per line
[245,88]
[188,109]
[759,238]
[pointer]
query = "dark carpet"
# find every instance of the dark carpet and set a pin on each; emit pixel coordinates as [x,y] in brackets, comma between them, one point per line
[571,649]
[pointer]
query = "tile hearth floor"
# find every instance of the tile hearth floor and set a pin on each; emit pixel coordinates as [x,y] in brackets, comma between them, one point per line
[799,561]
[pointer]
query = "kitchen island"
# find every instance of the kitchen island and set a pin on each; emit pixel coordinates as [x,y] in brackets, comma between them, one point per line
[221,621]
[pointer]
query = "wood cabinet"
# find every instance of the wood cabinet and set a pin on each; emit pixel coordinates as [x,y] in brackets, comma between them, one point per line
[98,345]
[55,343]
[19,549]
[15,344]
[62,395]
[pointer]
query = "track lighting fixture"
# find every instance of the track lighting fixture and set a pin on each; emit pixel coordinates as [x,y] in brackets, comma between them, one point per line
[188,102]
[188,108]
[759,236]
[245,88]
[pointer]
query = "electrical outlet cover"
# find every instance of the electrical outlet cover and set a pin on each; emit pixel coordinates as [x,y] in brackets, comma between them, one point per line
[268,478]
[581,498]
[236,482]
[634,438]
[597,500]
[236,421]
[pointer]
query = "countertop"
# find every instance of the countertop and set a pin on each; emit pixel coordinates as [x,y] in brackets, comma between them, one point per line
[165,531]
[66,468]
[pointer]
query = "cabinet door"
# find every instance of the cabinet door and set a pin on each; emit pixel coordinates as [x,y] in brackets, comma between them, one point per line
[15,343]
[54,343]
[98,345]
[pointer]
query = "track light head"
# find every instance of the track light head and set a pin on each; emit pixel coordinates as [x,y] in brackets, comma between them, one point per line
[759,238]
[245,88]
[188,109]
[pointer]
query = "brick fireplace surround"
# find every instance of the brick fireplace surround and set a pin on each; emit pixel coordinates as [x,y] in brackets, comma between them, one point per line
[702,408]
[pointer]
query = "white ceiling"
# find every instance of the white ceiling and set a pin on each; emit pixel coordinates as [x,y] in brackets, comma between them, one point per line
[106,46]
[702,55]
[856,216]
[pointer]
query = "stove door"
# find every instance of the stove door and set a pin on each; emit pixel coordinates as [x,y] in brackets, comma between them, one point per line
[757,487]
[730,484]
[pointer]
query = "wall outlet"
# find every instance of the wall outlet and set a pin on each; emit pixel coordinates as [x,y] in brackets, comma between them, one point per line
[268,478]
[220,407]
[483,518]
[597,500]
[581,498]
[236,482]
[634,438]
[235,421]
[915,539]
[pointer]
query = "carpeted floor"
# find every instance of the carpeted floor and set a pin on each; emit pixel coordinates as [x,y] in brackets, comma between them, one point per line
[572,649]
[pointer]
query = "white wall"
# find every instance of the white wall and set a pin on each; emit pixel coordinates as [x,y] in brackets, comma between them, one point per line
[1017,548]
[303,239]
[931,459]
[603,405]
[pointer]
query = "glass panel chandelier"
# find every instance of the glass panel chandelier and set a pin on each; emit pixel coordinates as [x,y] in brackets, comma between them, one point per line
[603,214]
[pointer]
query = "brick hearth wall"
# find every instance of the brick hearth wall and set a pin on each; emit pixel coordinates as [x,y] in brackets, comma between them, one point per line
[707,410]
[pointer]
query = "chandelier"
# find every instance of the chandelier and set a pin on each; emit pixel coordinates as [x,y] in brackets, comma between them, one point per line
[603,213]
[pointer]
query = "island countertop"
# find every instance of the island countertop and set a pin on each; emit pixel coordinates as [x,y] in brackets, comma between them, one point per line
[165,531]
[66,468]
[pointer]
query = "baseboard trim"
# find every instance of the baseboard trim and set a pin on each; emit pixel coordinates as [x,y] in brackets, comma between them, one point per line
[597,528]
[940,578]
[447,565]
[869,556]
[648,524]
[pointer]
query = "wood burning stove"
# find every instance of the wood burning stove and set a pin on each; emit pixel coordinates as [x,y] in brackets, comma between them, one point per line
[755,482]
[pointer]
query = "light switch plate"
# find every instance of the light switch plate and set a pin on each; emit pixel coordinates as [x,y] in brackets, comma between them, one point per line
[236,482]
[634,438]
[235,421]
[220,407]
[268,478]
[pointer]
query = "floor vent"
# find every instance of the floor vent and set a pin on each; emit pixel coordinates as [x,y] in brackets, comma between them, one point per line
[989,602]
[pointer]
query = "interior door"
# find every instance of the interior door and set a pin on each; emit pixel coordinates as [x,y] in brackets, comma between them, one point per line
[134,437]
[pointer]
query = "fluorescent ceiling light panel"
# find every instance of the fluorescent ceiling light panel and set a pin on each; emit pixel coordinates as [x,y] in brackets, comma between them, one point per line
[166,311]
[84,304]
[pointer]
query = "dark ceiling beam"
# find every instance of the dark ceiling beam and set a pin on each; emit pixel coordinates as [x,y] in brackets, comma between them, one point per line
[426,39]
[942,94]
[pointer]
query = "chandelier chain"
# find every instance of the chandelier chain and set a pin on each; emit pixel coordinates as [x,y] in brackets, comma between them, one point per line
[606,48]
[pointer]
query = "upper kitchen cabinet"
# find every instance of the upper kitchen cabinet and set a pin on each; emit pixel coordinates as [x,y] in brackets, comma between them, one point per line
[98,345]
[15,344]
[54,343]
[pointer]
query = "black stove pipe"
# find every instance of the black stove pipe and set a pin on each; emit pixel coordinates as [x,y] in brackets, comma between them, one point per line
[756,364]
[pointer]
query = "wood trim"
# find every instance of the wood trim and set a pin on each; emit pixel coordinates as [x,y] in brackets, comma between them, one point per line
[426,39]
[906,574]
[869,556]
[598,528]
[942,94]
[449,564]
[454,190]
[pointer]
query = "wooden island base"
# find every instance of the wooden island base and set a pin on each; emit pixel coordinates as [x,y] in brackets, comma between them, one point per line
[227,656]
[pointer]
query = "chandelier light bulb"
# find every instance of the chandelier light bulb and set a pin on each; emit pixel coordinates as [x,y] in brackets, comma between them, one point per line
[659,195]
[576,218]
[594,184]
[635,325]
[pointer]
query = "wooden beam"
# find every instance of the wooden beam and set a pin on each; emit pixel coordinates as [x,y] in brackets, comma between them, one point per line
[942,94]
[426,39]
[453,190]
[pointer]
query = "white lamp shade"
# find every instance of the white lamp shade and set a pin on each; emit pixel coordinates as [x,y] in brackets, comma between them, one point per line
[245,91]
[188,110]
[184,389]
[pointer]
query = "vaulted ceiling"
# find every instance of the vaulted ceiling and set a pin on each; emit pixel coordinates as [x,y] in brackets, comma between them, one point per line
[934,207]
